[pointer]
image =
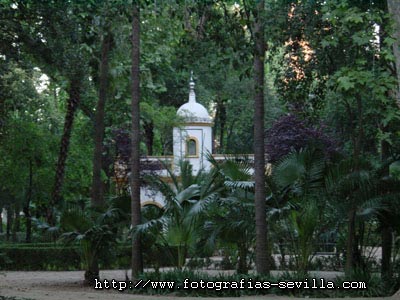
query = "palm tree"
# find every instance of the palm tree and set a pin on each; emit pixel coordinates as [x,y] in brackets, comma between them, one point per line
[384,205]
[137,262]
[259,139]
[297,189]
[230,218]
[363,193]
[93,231]
[186,198]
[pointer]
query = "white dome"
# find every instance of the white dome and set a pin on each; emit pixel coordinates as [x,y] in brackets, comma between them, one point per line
[193,111]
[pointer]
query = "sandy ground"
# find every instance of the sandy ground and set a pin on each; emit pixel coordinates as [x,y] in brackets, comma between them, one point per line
[68,286]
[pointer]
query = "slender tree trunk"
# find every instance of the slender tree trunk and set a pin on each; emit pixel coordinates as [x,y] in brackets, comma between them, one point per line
[9,222]
[16,224]
[97,184]
[1,219]
[26,209]
[242,263]
[259,151]
[359,133]
[137,263]
[386,233]
[394,10]
[349,268]
[352,241]
[386,270]
[92,273]
[222,118]
[214,131]
[149,136]
[73,102]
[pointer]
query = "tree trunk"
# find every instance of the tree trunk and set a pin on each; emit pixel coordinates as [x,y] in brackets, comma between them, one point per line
[394,10]
[137,264]
[92,274]
[97,184]
[386,233]
[26,209]
[1,219]
[222,118]
[386,270]
[73,102]
[259,153]
[149,136]
[16,225]
[242,263]
[349,268]
[9,222]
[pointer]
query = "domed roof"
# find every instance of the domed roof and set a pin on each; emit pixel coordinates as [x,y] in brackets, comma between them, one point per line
[193,111]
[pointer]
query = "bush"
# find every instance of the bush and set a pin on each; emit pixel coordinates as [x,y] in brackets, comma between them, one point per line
[34,257]
[55,257]
[290,133]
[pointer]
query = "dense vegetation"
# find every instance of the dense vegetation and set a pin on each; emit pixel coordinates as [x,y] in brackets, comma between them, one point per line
[310,86]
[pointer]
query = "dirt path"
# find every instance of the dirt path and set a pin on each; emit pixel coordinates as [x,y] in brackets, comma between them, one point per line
[68,286]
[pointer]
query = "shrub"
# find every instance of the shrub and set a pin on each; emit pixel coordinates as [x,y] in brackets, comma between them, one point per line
[35,257]
[290,133]
[55,257]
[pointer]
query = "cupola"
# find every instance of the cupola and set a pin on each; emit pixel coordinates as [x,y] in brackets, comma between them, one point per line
[192,111]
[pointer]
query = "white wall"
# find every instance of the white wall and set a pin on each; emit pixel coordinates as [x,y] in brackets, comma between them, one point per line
[203,135]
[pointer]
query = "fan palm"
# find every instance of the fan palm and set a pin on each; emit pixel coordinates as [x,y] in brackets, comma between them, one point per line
[231,218]
[363,193]
[296,185]
[93,231]
[185,197]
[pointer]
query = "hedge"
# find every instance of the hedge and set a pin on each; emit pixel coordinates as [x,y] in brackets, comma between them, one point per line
[56,257]
[34,257]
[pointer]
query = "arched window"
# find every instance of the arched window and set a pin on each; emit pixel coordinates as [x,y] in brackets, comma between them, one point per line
[191,147]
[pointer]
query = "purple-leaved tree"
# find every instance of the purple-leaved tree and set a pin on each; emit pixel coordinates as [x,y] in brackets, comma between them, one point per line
[290,133]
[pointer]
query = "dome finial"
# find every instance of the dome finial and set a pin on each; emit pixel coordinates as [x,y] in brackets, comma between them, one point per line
[192,95]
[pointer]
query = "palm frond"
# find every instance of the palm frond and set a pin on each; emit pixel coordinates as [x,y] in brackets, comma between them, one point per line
[201,205]
[243,185]
[188,193]
[147,227]
[75,219]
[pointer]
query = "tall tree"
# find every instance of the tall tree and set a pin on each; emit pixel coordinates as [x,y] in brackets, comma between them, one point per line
[394,10]
[74,92]
[54,34]
[97,185]
[262,265]
[137,263]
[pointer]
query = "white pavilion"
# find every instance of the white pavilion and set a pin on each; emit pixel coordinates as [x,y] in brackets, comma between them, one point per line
[192,141]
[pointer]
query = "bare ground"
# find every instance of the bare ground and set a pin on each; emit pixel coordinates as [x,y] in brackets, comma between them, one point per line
[68,286]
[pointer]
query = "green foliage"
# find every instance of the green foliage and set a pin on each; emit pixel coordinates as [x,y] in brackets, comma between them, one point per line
[230,219]
[328,61]
[298,181]
[35,257]
[361,83]
[91,230]
[58,257]
[186,199]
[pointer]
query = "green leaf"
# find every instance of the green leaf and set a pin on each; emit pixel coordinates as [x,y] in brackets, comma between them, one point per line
[345,83]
